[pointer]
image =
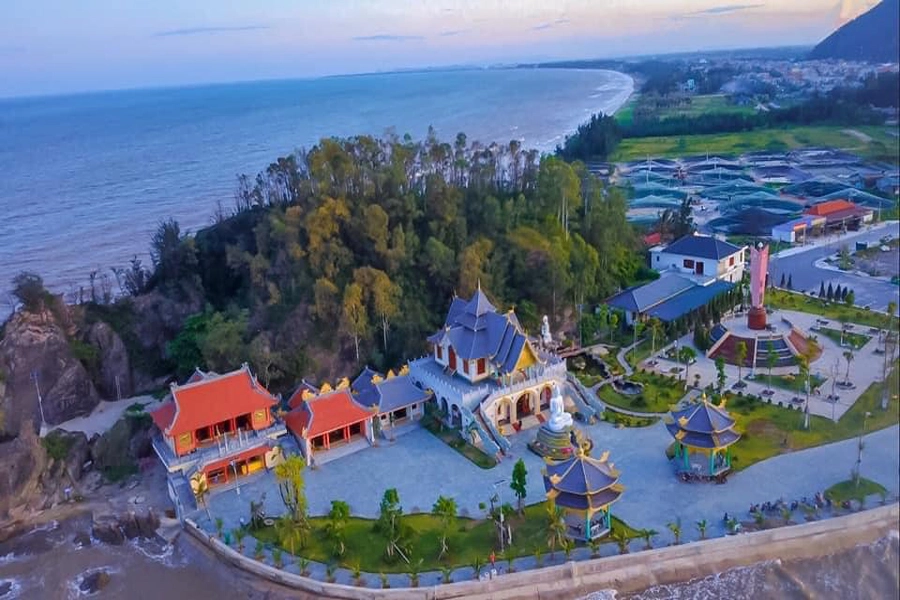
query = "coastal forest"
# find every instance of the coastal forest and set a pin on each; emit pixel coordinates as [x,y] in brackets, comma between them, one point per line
[350,252]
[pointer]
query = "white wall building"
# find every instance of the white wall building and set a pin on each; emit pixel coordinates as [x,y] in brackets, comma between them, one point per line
[703,258]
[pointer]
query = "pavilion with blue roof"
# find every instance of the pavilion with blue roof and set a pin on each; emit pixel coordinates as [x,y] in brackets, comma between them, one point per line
[584,488]
[703,436]
[667,298]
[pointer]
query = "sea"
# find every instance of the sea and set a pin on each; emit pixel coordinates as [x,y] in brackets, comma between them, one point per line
[87,178]
[53,561]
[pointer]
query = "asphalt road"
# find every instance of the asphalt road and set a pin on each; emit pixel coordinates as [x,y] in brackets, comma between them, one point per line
[807,277]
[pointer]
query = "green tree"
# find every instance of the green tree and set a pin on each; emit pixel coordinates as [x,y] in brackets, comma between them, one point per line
[264,360]
[741,357]
[336,525]
[559,190]
[291,485]
[675,528]
[28,288]
[383,296]
[518,483]
[326,306]
[603,312]
[637,329]
[656,328]
[473,266]
[445,510]
[687,354]
[222,345]
[647,535]
[556,527]
[848,356]
[353,317]
[720,373]
[850,298]
[390,526]
[701,527]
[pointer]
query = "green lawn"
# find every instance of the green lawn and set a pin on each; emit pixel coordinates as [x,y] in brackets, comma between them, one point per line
[701,104]
[452,439]
[660,393]
[768,430]
[471,539]
[851,339]
[791,382]
[830,310]
[849,490]
[616,418]
[882,146]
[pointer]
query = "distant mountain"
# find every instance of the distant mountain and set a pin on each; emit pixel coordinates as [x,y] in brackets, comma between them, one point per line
[873,36]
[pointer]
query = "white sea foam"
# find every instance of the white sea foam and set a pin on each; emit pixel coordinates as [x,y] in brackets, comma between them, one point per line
[14,591]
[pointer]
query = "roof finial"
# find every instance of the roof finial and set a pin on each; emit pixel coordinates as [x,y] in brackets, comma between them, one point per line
[479,284]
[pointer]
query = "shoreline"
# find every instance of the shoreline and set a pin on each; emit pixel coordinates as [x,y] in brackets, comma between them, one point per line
[627,574]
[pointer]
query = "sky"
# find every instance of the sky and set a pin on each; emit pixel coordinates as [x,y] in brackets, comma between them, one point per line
[61,46]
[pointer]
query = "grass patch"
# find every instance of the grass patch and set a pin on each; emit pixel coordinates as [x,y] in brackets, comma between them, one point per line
[768,430]
[792,382]
[830,310]
[617,418]
[56,445]
[451,438]
[660,392]
[882,147]
[472,539]
[850,339]
[848,490]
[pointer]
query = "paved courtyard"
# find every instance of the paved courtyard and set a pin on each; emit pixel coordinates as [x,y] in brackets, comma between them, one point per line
[422,467]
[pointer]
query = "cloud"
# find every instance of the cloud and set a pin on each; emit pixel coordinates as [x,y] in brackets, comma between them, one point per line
[209,30]
[385,37]
[453,32]
[726,9]
[545,26]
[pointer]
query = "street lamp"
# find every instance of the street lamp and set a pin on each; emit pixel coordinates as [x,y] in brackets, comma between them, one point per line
[237,480]
[500,503]
[860,448]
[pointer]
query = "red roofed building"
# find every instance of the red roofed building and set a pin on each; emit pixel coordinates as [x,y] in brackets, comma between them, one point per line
[214,424]
[840,214]
[329,419]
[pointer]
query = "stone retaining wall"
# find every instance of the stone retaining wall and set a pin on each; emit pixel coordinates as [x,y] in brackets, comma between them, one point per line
[626,573]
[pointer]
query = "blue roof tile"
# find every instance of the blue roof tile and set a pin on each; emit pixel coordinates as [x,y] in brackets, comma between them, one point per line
[703,246]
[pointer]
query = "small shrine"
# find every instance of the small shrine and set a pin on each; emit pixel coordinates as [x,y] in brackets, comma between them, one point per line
[703,436]
[558,438]
[584,488]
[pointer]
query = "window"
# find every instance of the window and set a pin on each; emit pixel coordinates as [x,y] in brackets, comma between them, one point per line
[465,366]
[481,366]
[439,350]
[731,262]
[688,263]
[657,258]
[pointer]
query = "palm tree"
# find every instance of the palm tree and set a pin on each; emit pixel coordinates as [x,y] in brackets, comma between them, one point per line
[613,323]
[338,517]
[701,527]
[675,528]
[637,328]
[604,316]
[556,527]
[239,534]
[445,510]
[648,535]
[786,514]
[478,566]
[303,566]
[594,545]
[220,524]
[446,574]
[655,330]
[848,356]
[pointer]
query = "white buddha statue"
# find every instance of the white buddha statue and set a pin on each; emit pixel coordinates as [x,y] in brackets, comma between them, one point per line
[559,418]
[546,338]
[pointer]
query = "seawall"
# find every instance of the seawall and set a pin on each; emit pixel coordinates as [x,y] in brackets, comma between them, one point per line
[624,573]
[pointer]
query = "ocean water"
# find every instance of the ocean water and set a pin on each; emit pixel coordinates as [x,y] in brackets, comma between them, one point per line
[86,178]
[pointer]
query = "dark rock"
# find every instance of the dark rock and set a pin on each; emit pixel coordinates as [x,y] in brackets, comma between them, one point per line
[22,461]
[5,588]
[113,449]
[113,361]
[81,539]
[108,531]
[94,581]
[77,451]
[141,444]
[40,343]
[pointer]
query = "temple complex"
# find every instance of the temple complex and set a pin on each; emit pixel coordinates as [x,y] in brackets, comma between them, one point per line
[487,376]
[216,428]
[703,435]
[585,488]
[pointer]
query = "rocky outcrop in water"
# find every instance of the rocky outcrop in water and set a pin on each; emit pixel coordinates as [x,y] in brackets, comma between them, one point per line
[115,529]
[94,581]
[39,346]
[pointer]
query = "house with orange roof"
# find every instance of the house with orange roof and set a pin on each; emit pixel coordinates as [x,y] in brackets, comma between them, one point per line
[217,427]
[328,419]
[841,214]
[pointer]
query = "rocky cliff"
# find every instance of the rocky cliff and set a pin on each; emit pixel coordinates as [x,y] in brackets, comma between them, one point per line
[40,349]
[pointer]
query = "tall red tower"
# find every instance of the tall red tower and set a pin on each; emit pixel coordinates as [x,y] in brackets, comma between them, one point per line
[759,266]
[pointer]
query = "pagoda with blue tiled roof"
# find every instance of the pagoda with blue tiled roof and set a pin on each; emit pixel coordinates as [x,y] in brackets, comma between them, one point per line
[584,488]
[703,436]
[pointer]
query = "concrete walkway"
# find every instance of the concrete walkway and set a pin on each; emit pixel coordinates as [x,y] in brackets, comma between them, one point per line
[104,416]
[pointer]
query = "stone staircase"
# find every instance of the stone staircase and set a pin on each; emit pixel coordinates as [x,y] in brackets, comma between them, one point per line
[490,447]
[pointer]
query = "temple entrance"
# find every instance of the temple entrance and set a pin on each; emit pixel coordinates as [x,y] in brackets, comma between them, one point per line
[503,409]
[545,398]
[455,418]
[523,406]
[452,361]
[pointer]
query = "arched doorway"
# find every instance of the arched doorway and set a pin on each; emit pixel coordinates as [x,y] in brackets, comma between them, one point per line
[444,407]
[455,417]
[523,406]
[503,411]
[546,393]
